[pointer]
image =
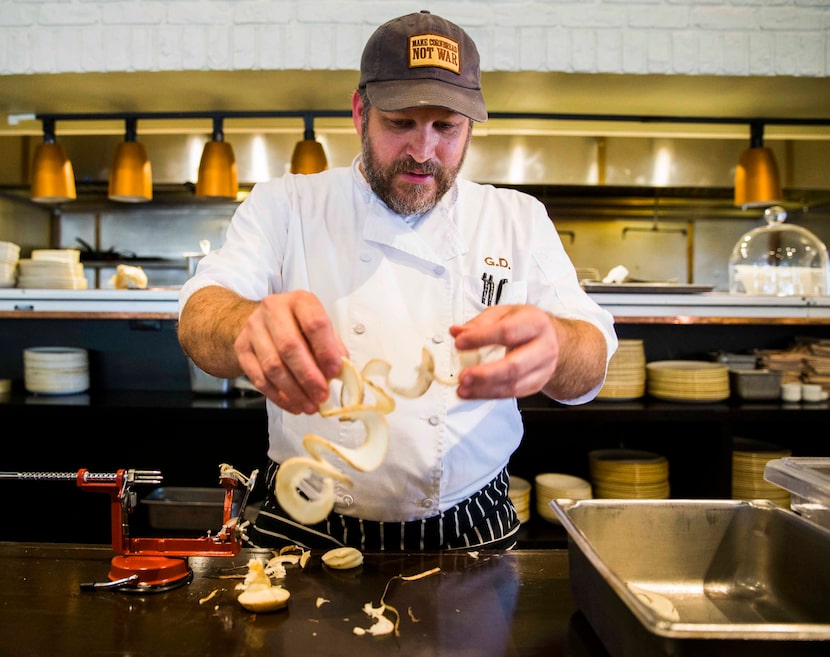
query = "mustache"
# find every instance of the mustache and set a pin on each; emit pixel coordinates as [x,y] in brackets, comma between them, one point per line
[409,165]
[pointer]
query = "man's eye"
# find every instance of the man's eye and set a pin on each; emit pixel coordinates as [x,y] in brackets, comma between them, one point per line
[447,128]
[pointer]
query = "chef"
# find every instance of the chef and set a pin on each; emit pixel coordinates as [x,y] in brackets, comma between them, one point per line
[389,258]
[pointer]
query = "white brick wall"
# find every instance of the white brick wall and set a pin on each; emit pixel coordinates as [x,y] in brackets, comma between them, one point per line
[687,37]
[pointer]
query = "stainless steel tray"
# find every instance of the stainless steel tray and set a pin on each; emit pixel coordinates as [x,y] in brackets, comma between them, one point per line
[744,578]
[646,288]
[183,508]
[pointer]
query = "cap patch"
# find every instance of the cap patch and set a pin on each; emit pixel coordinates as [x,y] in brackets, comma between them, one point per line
[434,50]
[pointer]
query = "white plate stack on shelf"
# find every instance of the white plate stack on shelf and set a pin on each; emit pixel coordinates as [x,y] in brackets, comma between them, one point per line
[53,268]
[629,474]
[519,494]
[9,256]
[626,377]
[56,370]
[557,485]
[688,380]
[749,460]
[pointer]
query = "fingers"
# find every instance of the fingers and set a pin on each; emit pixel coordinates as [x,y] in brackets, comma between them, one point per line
[288,348]
[531,351]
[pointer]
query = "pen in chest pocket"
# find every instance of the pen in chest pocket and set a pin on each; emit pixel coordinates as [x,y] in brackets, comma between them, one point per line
[489,288]
[499,289]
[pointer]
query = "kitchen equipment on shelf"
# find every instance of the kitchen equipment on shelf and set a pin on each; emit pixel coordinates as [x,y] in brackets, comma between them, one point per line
[206,384]
[148,564]
[807,479]
[755,384]
[193,257]
[187,508]
[56,370]
[778,259]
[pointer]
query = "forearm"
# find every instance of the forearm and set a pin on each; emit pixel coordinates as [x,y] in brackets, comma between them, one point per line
[208,327]
[581,361]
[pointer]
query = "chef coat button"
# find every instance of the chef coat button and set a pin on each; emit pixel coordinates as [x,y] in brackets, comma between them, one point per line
[439,270]
[360,329]
[366,256]
[348,500]
[437,338]
[428,503]
[434,420]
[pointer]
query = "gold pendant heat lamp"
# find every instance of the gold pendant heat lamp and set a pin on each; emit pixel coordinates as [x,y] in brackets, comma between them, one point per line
[218,177]
[757,181]
[309,156]
[131,176]
[53,180]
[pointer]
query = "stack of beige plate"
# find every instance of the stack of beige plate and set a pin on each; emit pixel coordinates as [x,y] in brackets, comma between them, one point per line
[555,485]
[56,370]
[9,256]
[749,459]
[626,372]
[629,474]
[587,273]
[519,494]
[688,380]
[53,268]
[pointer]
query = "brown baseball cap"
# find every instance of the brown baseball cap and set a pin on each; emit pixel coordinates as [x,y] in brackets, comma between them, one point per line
[422,60]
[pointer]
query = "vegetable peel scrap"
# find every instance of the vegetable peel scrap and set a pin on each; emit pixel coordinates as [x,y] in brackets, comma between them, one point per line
[293,472]
[381,624]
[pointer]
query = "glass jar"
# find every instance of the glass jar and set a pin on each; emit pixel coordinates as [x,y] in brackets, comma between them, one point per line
[778,259]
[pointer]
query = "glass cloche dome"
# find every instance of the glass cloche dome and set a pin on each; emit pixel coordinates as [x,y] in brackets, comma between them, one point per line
[779,259]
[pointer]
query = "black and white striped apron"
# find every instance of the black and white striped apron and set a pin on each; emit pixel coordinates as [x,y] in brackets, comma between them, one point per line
[486,520]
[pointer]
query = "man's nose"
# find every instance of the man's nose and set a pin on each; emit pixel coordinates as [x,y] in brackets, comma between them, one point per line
[422,144]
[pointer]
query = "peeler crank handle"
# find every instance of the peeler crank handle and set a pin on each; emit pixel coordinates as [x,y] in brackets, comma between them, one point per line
[115,584]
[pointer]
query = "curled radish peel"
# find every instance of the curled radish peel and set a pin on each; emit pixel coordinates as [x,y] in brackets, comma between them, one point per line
[310,509]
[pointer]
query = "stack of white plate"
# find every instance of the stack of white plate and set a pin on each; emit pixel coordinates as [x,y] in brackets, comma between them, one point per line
[53,268]
[629,474]
[556,485]
[9,256]
[519,494]
[626,377]
[55,370]
[688,380]
[749,459]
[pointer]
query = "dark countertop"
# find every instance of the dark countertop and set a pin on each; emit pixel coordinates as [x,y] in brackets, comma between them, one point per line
[512,603]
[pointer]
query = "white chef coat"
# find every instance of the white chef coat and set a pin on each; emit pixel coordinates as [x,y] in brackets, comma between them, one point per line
[392,289]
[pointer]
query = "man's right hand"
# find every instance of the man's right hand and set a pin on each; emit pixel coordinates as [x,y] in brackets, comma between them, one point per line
[289,350]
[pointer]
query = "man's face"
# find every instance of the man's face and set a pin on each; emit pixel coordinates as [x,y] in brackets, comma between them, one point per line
[412,157]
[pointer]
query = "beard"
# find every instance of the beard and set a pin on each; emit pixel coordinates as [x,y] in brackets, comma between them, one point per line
[407,198]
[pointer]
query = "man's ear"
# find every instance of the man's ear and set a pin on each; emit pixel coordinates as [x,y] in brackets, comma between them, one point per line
[357,112]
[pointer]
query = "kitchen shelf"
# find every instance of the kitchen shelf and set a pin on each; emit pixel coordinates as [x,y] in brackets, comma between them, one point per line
[152,303]
[713,307]
[706,308]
